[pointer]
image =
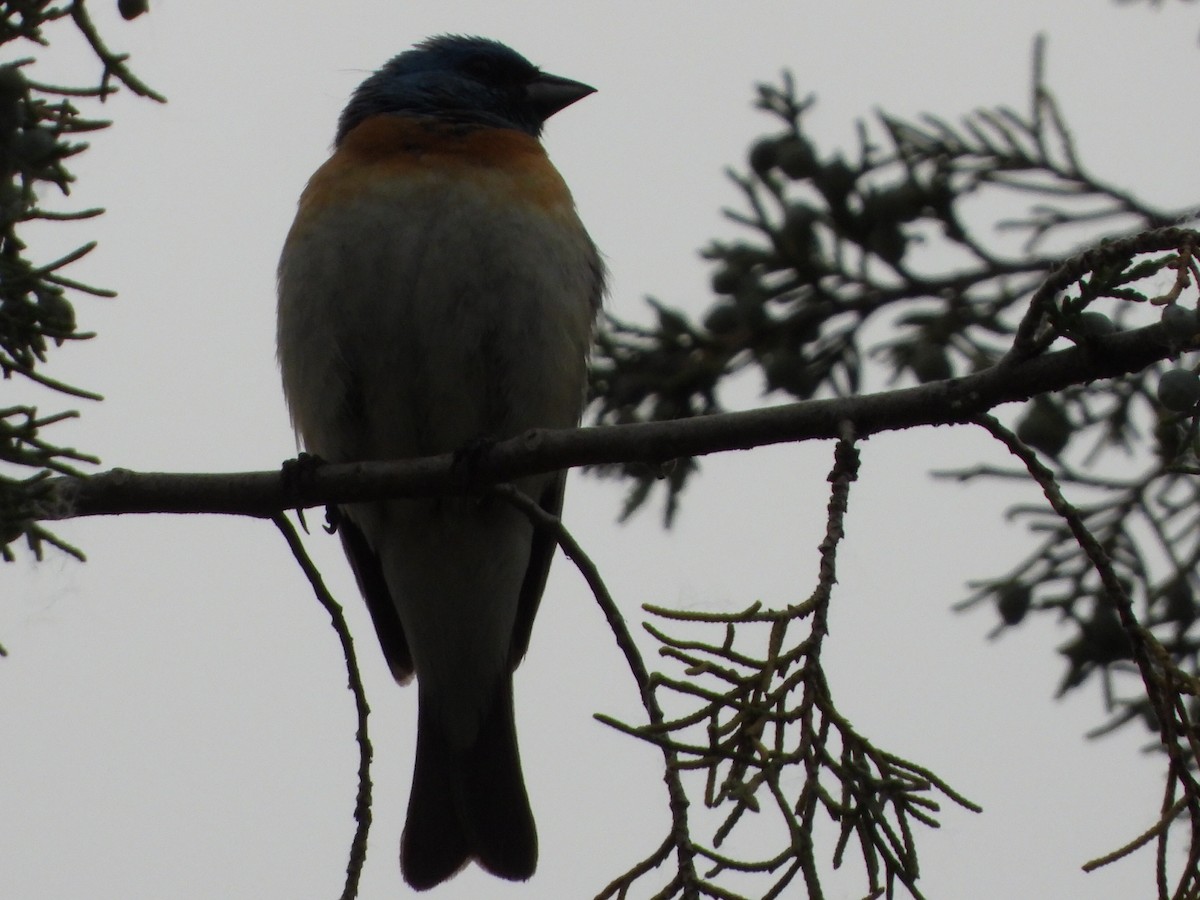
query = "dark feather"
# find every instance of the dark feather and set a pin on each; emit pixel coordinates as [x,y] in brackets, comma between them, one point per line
[541,552]
[369,575]
[468,804]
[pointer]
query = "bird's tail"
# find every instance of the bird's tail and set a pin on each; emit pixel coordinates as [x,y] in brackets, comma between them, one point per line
[468,804]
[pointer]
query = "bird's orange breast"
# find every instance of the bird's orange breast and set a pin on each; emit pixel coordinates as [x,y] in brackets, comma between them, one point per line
[391,148]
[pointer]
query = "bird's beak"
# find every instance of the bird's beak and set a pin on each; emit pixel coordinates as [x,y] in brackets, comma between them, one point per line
[550,93]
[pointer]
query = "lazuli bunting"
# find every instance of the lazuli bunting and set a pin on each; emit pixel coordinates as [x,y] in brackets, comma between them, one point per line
[438,289]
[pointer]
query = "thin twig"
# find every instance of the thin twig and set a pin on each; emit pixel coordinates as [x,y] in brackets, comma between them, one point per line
[1174,728]
[362,806]
[114,63]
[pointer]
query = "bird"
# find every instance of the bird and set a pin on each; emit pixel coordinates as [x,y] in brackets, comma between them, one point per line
[437,289]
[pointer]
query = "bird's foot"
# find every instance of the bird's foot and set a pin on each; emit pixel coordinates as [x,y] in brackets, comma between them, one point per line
[297,477]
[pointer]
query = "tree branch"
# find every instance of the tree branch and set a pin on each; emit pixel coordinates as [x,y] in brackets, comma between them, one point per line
[263,494]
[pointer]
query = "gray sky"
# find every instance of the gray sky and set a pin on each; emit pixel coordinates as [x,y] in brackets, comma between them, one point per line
[174,713]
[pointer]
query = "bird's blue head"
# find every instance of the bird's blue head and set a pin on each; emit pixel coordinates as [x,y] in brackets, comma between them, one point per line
[471,80]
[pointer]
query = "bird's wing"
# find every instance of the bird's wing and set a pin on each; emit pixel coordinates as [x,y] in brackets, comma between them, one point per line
[384,614]
[541,552]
